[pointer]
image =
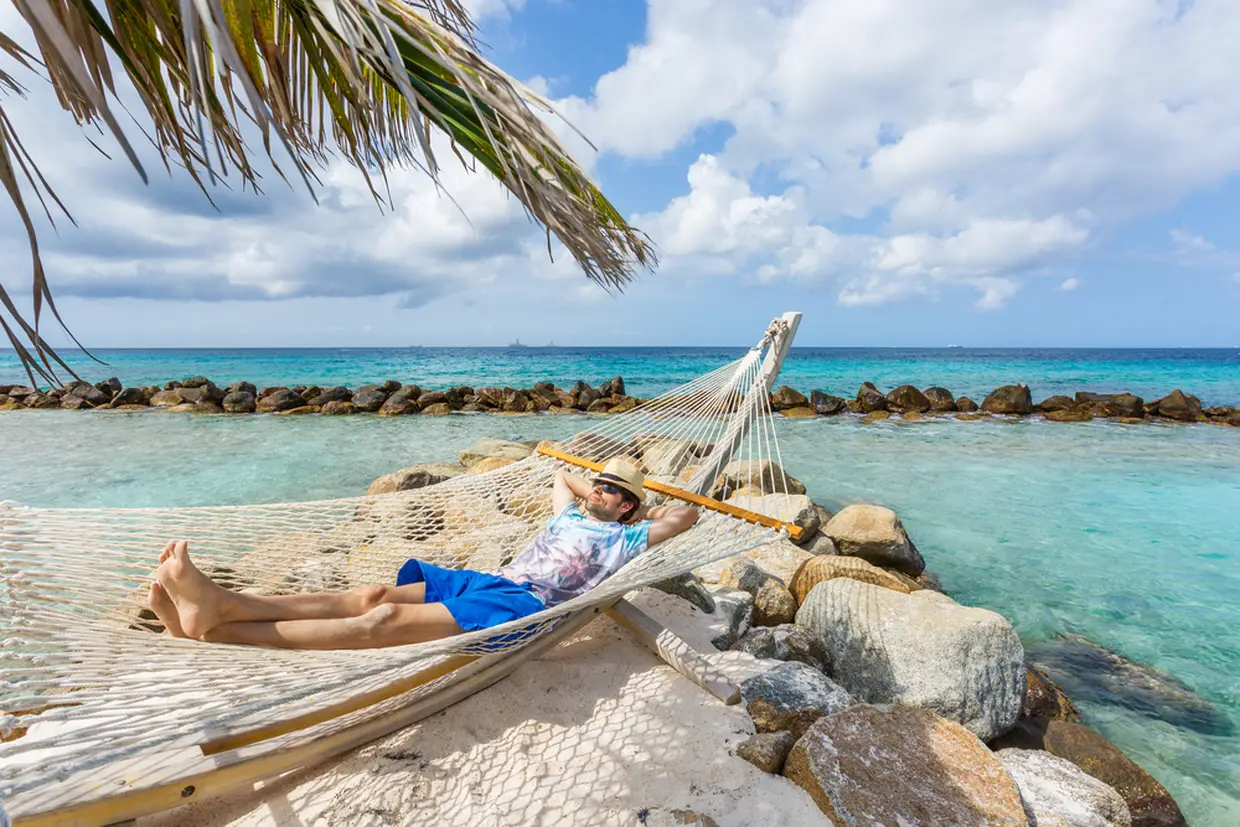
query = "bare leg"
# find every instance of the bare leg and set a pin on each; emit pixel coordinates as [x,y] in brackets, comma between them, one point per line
[202,604]
[389,624]
[163,607]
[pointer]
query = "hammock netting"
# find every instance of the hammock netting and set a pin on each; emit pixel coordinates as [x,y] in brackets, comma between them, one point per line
[87,679]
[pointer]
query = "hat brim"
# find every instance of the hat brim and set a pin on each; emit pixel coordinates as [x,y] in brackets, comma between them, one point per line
[621,482]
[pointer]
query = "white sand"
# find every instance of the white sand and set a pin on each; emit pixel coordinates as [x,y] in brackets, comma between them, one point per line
[599,731]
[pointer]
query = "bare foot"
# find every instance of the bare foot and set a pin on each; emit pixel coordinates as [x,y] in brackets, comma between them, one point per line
[163,607]
[197,599]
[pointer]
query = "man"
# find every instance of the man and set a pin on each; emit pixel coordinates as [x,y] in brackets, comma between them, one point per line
[579,548]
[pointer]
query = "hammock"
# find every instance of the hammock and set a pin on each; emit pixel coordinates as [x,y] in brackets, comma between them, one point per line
[102,719]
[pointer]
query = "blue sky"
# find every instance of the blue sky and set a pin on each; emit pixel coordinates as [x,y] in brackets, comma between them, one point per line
[1017,174]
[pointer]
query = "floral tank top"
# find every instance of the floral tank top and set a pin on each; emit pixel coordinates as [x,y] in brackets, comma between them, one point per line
[574,554]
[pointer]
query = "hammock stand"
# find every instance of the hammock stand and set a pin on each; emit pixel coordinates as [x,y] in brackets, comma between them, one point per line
[216,759]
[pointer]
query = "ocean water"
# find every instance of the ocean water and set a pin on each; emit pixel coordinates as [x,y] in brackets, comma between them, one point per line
[1125,535]
[1211,374]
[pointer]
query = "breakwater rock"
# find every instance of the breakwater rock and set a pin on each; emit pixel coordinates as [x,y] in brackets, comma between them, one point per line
[198,394]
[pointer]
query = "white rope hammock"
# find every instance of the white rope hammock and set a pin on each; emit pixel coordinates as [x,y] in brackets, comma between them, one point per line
[85,683]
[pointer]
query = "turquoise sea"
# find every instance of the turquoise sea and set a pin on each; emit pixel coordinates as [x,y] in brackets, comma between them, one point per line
[1125,535]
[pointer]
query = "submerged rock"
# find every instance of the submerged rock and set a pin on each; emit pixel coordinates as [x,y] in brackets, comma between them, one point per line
[921,649]
[1089,671]
[902,766]
[1057,793]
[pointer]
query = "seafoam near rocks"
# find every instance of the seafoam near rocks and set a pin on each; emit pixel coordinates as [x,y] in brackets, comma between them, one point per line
[1057,793]
[922,649]
[902,766]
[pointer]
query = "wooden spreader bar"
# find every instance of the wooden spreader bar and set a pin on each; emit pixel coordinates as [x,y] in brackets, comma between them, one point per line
[681,494]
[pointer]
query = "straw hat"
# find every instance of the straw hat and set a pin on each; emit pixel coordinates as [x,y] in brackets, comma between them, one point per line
[624,475]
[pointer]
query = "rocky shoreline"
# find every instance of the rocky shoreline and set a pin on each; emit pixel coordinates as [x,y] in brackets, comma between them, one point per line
[199,394]
[882,698]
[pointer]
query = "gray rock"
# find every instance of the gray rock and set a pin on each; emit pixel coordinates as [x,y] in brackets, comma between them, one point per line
[941,399]
[238,402]
[337,394]
[130,396]
[875,534]
[415,476]
[246,387]
[735,607]
[369,399]
[1057,793]
[824,404]
[487,447]
[690,588]
[788,642]
[767,750]
[280,400]
[195,382]
[791,697]
[773,604]
[111,386]
[921,649]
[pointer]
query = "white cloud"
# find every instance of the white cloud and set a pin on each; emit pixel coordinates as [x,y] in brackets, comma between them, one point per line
[1069,284]
[950,128]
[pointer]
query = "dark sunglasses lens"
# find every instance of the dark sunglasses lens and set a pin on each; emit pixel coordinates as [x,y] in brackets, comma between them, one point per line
[608,488]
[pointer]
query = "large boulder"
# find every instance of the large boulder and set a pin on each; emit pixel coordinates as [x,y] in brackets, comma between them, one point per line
[612,387]
[787,397]
[369,398]
[88,393]
[398,406]
[1180,406]
[921,649]
[966,405]
[238,402]
[797,509]
[941,399]
[902,766]
[488,447]
[130,396]
[822,568]
[281,400]
[907,399]
[416,476]
[772,602]
[1009,399]
[1149,803]
[1126,405]
[1057,793]
[163,399]
[781,558]
[338,407]
[1056,403]
[1044,698]
[824,404]
[870,398]
[876,534]
[790,697]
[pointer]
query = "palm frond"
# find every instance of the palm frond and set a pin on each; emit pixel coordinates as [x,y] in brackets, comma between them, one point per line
[370,79]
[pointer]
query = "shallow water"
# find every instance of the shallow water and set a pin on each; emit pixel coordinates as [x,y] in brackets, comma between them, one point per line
[1123,534]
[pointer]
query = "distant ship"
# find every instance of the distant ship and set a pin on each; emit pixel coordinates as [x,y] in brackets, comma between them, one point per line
[517,344]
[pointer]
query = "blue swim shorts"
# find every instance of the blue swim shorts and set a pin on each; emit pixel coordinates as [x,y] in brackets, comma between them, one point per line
[474,599]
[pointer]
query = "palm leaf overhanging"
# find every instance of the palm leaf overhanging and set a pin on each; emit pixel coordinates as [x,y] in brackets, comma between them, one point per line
[368,78]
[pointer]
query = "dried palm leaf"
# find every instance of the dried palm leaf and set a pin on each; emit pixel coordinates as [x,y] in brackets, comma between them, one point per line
[367,78]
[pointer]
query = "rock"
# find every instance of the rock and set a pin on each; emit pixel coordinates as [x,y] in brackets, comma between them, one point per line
[300,410]
[586,398]
[666,457]
[1057,793]
[1088,670]
[821,569]
[966,405]
[625,405]
[767,750]
[238,402]
[921,649]
[1179,406]
[877,416]
[517,402]
[429,398]
[1056,403]
[491,464]
[787,642]
[41,401]
[941,399]
[130,396]
[74,403]
[111,386]
[614,387]
[820,544]
[690,588]
[599,448]
[870,399]
[416,476]
[369,400]
[488,447]
[281,400]
[408,393]
[242,387]
[195,382]
[89,394]
[913,416]
[798,413]
[391,386]
[164,399]
[735,608]
[797,509]
[20,392]
[791,697]
[204,406]
[1009,399]
[337,394]
[338,407]
[763,474]
[1219,411]
[902,766]
[972,417]
[1149,803]
[1126,405]
[907,399]
[786,398]
[824,404]
[1068,415]
[875,534]
[781,559]
[398,407]
[1234,420]
[772,602]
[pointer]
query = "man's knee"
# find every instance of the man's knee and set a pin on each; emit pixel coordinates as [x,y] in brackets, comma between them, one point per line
[370,597]
[379,622]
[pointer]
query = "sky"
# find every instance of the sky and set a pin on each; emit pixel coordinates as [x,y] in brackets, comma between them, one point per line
[1026,173]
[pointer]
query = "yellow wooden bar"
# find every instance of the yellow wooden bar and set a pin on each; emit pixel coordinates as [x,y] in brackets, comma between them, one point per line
[745,514]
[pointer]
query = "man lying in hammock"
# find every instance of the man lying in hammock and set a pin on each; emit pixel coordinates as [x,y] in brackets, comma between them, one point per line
[579,548]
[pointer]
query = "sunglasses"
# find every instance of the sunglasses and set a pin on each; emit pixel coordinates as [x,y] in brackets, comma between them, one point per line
[608,488]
